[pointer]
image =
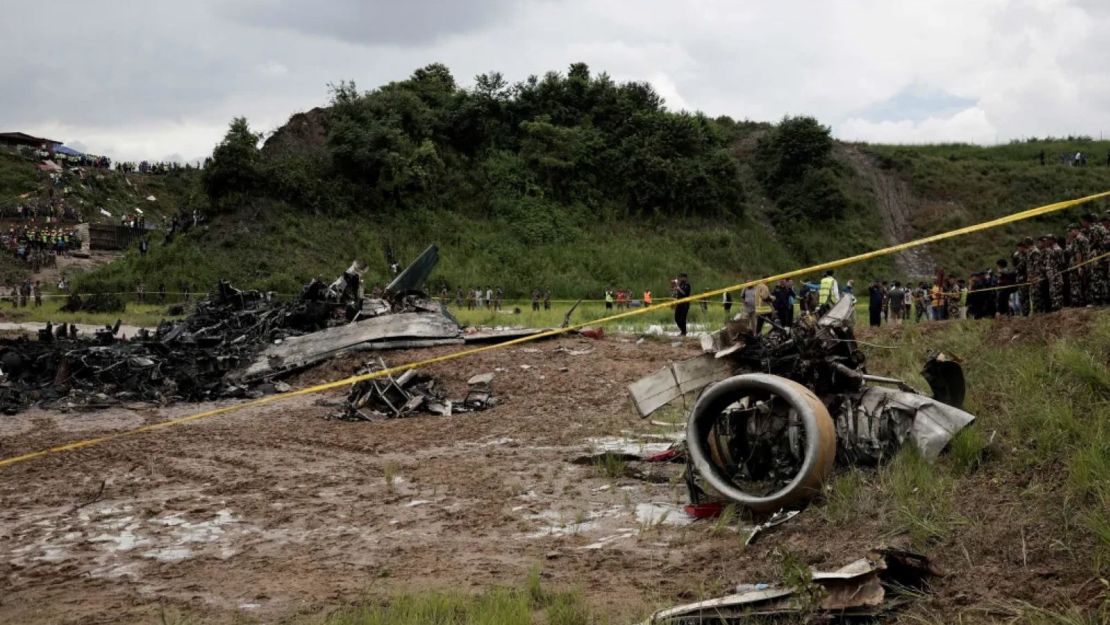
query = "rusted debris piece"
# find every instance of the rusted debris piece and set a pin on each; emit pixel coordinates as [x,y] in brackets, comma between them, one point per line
[865,588]
[409,393]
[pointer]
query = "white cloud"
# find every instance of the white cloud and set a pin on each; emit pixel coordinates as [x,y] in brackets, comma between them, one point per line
[273,69]
[167,77]
[968,125]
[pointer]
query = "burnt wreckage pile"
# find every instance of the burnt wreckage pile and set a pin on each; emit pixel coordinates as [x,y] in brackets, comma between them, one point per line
[778,411]
[390,397]
[234,344]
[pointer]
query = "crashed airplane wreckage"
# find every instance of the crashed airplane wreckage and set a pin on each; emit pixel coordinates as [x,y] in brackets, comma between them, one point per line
[778,411]
[233,345]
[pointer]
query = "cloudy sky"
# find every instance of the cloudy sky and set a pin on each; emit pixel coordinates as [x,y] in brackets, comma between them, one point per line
[159,79]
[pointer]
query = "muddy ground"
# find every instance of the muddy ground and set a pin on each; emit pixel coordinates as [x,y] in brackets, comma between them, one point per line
[275,513]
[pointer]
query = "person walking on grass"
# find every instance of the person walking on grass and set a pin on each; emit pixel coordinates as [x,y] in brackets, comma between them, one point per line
[783,296]
[875,304]
[764,309]
[682,290]
[897,300]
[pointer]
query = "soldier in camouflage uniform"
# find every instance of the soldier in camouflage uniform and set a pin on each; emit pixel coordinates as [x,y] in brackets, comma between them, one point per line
[1038,277]
[1057,264]
[1098,237]
[1021,269]
[1077,252]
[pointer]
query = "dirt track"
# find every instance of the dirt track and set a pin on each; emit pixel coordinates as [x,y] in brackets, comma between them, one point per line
[273,512]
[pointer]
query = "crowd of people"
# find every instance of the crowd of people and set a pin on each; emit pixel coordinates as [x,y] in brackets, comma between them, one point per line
[39,246]
[1042,275]
[20,294]
[623,299]
[147,167]
[51,211]
[477,298]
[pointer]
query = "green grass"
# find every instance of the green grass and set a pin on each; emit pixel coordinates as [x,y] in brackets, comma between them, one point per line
[846,497]
[918,498]
[147,315]
[17,176]
[524,605]
[611,466]
[1045,401]
[959,185]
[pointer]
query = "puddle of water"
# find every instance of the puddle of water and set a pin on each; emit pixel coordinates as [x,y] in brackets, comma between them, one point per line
[125,540]
[169,554]
[630,446]
[662,514]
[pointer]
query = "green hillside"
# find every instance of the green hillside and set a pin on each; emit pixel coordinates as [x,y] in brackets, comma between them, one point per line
[575,183]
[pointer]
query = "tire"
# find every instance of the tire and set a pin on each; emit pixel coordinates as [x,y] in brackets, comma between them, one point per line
[820,452]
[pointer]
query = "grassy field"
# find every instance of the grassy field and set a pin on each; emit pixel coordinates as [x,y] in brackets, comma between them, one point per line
[1043,431]
[147,315]
[281,250]
[275,247]
[959,185]
[524,605]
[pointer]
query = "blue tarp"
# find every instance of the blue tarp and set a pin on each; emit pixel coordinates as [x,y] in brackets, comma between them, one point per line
[68,151]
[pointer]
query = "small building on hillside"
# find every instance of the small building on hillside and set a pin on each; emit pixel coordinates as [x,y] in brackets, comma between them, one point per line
[12,140]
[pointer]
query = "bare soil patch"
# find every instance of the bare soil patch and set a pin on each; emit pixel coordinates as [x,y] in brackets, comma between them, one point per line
[274,511]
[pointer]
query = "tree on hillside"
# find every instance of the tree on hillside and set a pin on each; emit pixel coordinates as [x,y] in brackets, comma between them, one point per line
[234,166]
[582,142]
[795,166]
[797,145]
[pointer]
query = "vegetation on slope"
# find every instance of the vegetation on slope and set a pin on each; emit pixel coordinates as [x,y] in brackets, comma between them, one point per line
[574,183]
[957,185]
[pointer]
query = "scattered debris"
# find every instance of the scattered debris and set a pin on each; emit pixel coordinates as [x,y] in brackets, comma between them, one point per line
[234,344]
[593,333]
[390,397]
[798,400]
[865,588]
[397,331]
[778,518]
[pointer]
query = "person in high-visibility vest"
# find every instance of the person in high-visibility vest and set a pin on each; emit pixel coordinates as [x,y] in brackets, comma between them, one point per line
[647,298]
[828,293]
[609,299]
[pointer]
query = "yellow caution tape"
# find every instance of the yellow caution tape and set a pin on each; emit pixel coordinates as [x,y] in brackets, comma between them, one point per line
[893,249]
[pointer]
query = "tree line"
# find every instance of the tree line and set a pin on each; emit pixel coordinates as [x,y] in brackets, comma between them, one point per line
[541,154]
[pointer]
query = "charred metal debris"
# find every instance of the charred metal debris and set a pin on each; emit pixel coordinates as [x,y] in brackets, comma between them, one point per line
[412,392]
[878,584]
[776,412]
[235,344]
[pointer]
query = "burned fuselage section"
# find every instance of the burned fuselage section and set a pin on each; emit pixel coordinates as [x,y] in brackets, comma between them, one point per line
[794,403]
[234,343]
